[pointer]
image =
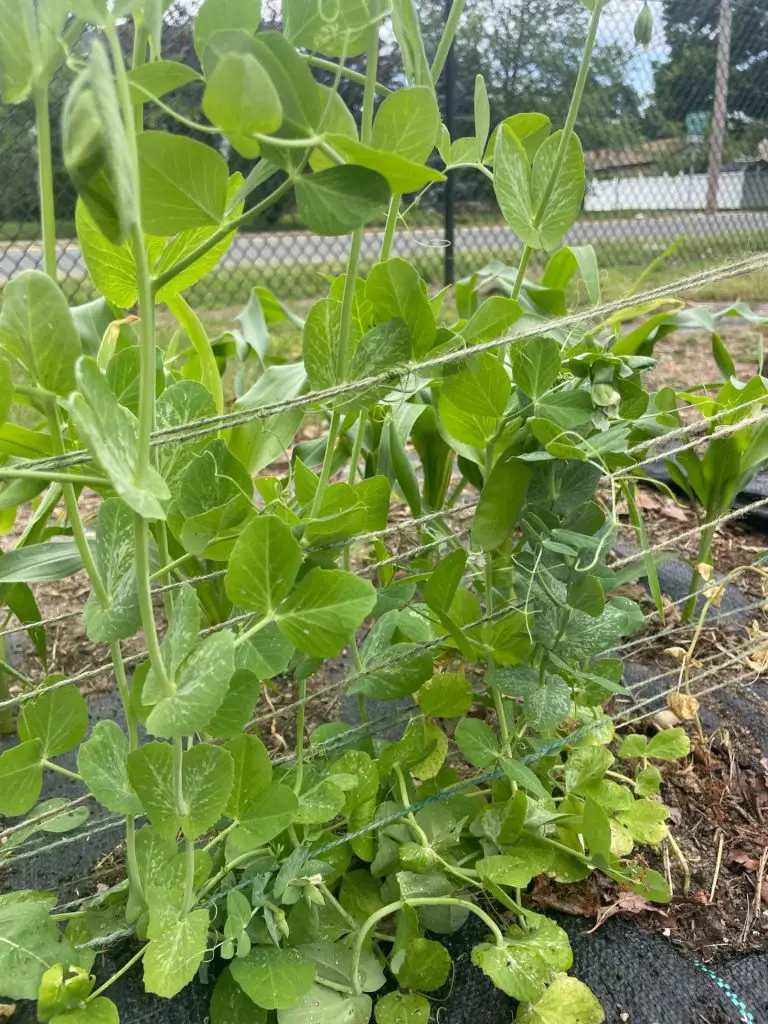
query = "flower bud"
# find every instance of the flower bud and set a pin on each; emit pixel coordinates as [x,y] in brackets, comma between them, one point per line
[644,26]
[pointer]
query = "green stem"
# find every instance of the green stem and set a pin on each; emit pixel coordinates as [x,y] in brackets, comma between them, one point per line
[161,539]
[334,68]
[7,669]
[418,901]
[60,770]
[331,899]
[256,628]
[118,974]
[498,700]
[525,259]
[131,861]
[45,176]
[325,472]
[170,566]
[139,57]
[53,477]
[300,716]
[573,112]
[389,229]
[221,836]
[357,445]
[446,40]
[231,225]
[418,831]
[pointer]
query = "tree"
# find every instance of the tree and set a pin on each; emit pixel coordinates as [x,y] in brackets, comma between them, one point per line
[685,82]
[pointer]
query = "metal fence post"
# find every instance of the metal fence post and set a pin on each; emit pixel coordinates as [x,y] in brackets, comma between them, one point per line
[449,199]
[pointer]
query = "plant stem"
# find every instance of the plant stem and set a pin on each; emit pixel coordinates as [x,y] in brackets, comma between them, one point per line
[702,556]
[418,901]
[139,57]
[300,716]
[118,974]
[331,899]
[325,472]
[525,259]
[45,175]
[565,138]
[680,856]
[446,40]
[225,229]
[61,770]
[357,445]
[352,75]
[52,476]
[253,630]
[573,111]
[498,700]
[389,229]
[133,743]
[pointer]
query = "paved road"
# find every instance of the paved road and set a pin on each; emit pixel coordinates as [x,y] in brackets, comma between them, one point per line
[289,247]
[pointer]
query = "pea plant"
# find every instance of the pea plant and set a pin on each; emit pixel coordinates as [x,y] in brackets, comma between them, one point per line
[306,884]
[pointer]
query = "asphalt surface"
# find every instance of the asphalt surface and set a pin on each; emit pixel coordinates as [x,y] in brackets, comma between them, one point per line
[298,247]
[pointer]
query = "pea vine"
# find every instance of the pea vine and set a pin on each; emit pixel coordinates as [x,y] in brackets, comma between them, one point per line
[301,884]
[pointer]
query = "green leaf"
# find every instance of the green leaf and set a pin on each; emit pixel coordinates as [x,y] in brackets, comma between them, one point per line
[31,943]
[263,566]
[269,813]
[342,31]
[482,109]
[237,707]
[51,560]
[339,200]
[566,262]
[158,78]
[381,348]
[103,763]
[57,719]
[183,183]
[402,1008]
[176,947]
[201,683]
[512,185]
[444,581]
[446,695]
[585,766]
[253,773]
[207,777]
[261,441]
[481,386]
[401,175]
[648,781]
[395,290]
[321,614]
[564,205]
[230,1005]
[241,100]
[119,617]
[405,25]
[95,148]
[645,819]
[220,15]
[565,1001]
[501,501]
[528,960]
[536,366]
[587,595]
[492,318]
[477,742]
[266,654]
[530,129]
[596,829]
[407,123]
[98,1011]
[519,864]
[321,1003]
[18,63]
[274,978]
[426,965]
[669,745]
[180,404]
[37,330]
[6,389]
[111,433]
[21,775]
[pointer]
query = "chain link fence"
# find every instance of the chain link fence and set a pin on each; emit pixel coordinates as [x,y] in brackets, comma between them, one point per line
[659,169]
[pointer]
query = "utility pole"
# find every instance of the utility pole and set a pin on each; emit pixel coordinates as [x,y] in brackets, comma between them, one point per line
[720,109]
[449,200]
